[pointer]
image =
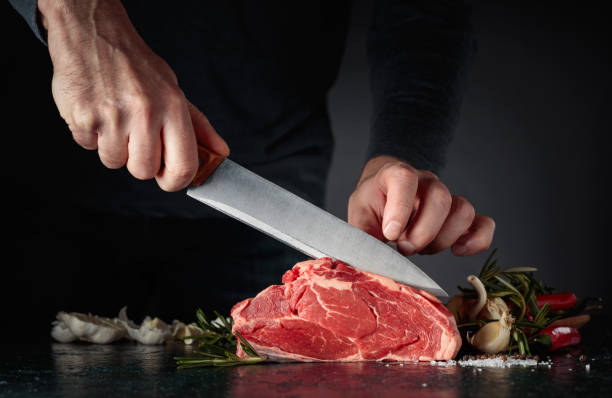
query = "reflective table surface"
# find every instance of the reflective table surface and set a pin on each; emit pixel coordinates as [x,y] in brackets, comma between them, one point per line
[128,369]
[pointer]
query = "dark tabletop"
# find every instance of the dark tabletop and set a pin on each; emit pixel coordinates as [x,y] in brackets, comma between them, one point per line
[128,369]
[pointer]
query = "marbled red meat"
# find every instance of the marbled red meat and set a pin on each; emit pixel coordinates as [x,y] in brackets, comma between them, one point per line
[328,311]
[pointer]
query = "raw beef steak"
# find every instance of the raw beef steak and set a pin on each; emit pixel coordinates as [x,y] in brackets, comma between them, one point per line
[329,311]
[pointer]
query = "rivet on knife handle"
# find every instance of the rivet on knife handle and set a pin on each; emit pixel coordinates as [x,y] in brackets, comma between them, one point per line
[209,161]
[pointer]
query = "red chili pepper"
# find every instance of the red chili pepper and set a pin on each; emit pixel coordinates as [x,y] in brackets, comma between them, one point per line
[561,336]
[557,301]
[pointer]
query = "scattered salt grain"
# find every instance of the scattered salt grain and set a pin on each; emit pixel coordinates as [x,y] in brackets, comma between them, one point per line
[498,362]
[401,364]
[424,385]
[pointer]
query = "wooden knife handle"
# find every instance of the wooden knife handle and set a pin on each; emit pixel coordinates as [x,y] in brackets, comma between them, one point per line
[209,161]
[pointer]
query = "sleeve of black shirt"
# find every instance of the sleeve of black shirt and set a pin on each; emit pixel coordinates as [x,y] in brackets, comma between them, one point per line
[28,9]
[418,52]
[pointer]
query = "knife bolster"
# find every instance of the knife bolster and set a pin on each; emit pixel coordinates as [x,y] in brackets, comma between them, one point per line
[209,161]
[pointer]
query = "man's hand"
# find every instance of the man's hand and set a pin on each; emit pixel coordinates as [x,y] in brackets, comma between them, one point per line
[395,202]
[120,98]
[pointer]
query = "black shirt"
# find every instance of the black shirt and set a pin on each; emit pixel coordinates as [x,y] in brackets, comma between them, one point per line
[261,70]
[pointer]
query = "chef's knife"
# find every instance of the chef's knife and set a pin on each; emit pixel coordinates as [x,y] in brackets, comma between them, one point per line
[242,194]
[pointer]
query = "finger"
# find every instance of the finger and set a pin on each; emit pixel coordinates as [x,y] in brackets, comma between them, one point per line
[399,183]
[365,207]
[112,148]
[205,133]
[84,126]
[179,151]
[144,147]
[478,238]
[435,204]
[112,138]
[459,220]
[85,139]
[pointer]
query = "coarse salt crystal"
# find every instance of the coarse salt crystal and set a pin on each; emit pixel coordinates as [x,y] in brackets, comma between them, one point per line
[498,362]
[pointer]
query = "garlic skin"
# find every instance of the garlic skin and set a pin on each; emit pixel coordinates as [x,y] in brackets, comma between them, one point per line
[91,328]
[494,336]
[494,308]
[482,296]
[151,331]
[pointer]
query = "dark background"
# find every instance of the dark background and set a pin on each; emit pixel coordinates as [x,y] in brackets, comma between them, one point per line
[530,149]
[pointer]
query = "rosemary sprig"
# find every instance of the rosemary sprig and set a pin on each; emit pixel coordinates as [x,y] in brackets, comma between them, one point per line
[216,345]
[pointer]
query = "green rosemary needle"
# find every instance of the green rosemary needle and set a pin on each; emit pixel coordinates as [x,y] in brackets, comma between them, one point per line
[216,344]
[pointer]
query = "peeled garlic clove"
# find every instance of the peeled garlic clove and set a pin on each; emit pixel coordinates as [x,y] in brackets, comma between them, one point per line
[91,328]
[151,331]
[494,336]
[493,309]
[60,332]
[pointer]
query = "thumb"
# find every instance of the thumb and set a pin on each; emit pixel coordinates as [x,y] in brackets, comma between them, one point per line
[205,133]
[399,182]
[365,209]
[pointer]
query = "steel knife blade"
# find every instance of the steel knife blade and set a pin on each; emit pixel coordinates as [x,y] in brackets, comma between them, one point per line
[242,194]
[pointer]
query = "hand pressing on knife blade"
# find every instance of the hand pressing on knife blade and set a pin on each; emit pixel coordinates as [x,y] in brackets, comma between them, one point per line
[396,202]
[119,97]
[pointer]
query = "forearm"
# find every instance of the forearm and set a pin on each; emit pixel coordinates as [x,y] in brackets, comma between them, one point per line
[73,24]
[418,54]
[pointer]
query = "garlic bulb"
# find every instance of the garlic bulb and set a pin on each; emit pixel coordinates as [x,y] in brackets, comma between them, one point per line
[61,332]
[91,328]
[494,336]
[151,331]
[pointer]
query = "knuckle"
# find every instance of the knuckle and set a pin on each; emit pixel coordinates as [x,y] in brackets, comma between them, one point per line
[110,112]
[82,118]
[143,109]
[440,195]
[481,242]
[400,171]
[175,98]
[421,237]
[112,159]
[142,171]
[85,140]
[489,222]
[111,162]
[183,173]
[463,209]
[429,174]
